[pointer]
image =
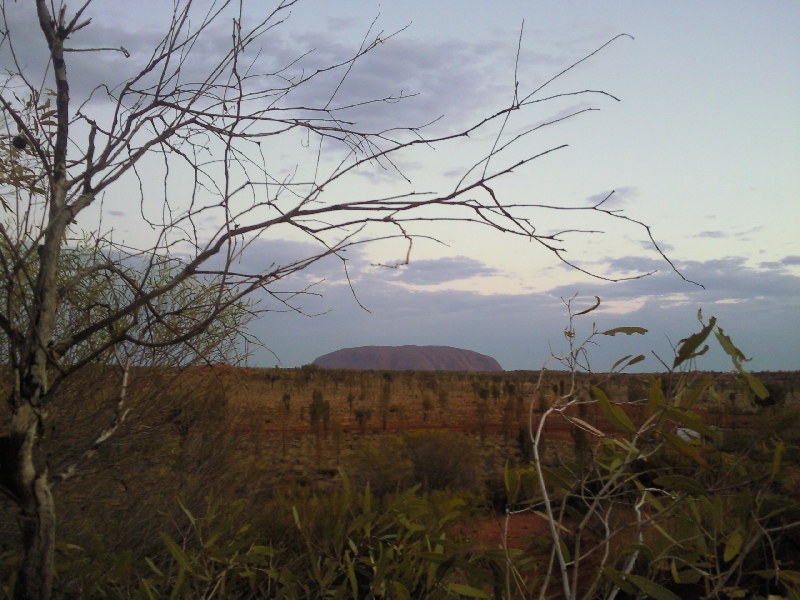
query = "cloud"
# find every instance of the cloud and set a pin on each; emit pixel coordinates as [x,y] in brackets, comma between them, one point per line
[616,198]
[442,270]
[749,231]
[635,264]
[440,76]
[728,277]
[711,234]
[758,308]
[786,261]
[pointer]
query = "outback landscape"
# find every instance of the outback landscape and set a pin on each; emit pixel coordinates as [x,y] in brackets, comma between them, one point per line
[192,191]
[239,467]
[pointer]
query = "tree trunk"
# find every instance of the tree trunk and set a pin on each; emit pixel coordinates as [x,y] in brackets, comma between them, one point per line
[31,492]
[37,523]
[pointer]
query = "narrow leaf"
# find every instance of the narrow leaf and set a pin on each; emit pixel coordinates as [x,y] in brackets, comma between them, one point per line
[755,385]
[687,347]
[730,348]
[733,545]
[651,588]
[698,391]
[588,310]
[176,552]
[625,330]
[556,480]
[655,400]
[584,425]
[466,590]
[618,580]
[613,414]
[398,591]
[776,460]
[619,362]
[636,359]
[686,449]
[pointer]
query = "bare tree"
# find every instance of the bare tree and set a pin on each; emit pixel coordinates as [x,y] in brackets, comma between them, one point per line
[209,133]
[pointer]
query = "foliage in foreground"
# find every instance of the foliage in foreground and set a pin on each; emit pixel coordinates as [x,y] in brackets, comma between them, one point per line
[653,503]
[664,509]
[344,546]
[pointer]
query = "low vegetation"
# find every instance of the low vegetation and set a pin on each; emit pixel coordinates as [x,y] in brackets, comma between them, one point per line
[312,483]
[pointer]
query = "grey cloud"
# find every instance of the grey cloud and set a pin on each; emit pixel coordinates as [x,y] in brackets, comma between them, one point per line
[516,329]
[711,234]
[455,78]
[263,255]
[621,196]
[648,245]
[636,264]
[724,280]
[786,261]
[749,231]
[442,270]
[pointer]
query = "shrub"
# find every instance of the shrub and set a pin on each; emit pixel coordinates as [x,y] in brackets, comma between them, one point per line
[381,463]
[442,460]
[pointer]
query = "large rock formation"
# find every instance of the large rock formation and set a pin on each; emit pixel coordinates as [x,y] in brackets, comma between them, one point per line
[402,358]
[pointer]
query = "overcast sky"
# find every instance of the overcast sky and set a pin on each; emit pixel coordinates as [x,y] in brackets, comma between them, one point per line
[703,145]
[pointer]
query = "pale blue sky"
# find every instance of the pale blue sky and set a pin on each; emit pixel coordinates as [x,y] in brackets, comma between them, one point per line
[704,146]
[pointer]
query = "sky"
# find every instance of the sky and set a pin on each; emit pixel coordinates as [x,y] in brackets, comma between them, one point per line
[701,141]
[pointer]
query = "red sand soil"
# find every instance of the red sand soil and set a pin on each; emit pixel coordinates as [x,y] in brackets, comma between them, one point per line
[488,531]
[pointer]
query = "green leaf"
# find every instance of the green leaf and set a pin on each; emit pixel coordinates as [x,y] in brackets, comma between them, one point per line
[544,516]
[733,545]
[618,579]
[790,576]
[730,348]
[564,550]
[686,449]
[619,362]
[627,363]
[511,478]
[397,590]
[698,391]
[651,588]
[687,348]
[776,461]
[351,574]
[755,385]
[187,512]
[641,549]
[636,359]
[680,483]
[147,590]
[613,414]
[584,425]
[625,330]
[655,400]
[176,591]
[176,552]
[556,480]
[152,566]
[466,590]
[766,574]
